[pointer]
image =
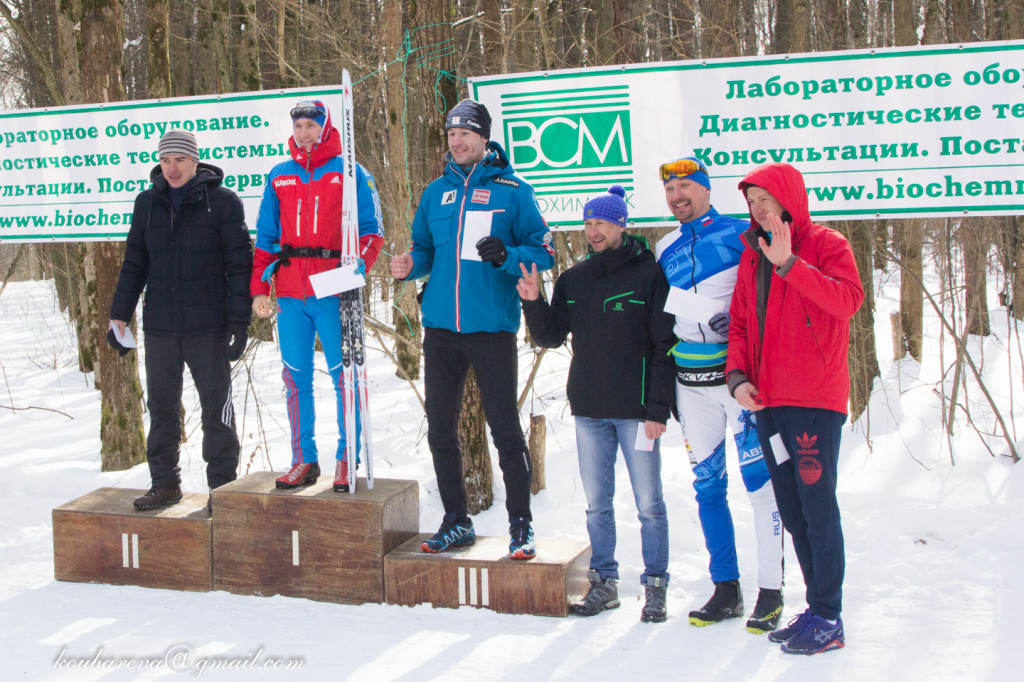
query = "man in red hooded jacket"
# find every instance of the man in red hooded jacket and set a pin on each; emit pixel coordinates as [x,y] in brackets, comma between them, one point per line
[797,288]
[298,234]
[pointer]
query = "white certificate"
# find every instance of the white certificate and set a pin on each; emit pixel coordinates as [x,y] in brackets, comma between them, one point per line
[685,303]
[331,282]
[642,441]
[476,226]
[779,449]
[127,340]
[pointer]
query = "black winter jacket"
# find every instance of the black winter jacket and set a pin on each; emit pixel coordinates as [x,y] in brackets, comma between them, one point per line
[194,264]
[613,303]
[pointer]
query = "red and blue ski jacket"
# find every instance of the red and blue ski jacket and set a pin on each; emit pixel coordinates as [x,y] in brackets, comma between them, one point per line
[301,206]
[466,295]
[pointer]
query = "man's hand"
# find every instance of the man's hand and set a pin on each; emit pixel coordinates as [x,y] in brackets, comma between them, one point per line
[401,265]
[121,326]
[261,305]
[781,248]
[745,394]
[235,338]
[652,430]
[492,249]
[112,339]
[527,287]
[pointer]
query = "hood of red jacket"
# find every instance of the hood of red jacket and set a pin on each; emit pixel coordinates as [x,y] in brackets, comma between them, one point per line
[786,184]
[325,148]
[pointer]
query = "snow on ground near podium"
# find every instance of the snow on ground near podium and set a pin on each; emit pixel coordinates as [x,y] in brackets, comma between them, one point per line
[933,551]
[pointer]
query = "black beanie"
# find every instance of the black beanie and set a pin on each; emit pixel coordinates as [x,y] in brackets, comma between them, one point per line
[471,115]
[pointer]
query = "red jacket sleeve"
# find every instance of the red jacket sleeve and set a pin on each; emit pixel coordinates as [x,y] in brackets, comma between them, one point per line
[369,249]
[832,283]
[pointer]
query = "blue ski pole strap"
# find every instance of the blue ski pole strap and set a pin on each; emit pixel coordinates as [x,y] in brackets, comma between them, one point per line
[361,267]
[272,268]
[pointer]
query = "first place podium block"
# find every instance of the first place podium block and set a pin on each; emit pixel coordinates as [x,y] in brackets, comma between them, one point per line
[483,576]
[309,542]
[102,538]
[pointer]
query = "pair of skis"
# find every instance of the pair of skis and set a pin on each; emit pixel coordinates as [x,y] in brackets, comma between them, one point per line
[353,350]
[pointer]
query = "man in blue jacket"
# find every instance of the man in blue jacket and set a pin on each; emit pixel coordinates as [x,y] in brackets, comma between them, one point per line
[473,227]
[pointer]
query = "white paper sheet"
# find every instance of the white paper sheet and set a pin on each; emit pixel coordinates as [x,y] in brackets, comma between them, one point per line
[642,441]
[336,281]
[779,449]
[128,341]
[684,303]
[477,225]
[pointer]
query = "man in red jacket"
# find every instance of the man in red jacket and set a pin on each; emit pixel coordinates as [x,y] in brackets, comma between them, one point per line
[796,290]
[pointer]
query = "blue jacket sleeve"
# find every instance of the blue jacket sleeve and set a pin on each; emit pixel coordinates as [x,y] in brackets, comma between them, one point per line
[422,243]
[533,239]
[370,218]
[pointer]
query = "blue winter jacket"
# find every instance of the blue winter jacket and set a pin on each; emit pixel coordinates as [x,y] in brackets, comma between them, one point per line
[470,295]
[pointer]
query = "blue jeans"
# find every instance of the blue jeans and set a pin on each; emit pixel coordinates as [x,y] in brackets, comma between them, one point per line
[597,441]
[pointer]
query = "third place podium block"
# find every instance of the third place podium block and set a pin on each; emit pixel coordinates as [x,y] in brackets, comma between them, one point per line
[311,541]
[484,576]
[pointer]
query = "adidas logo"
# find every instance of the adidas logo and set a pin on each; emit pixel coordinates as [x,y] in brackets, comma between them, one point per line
[336,180]
[806,444]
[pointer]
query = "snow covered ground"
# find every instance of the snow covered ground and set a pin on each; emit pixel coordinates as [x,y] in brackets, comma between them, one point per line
[933,549]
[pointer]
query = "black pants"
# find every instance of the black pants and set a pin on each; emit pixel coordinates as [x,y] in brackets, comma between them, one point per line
[805,490]
[207,360]
[447,357]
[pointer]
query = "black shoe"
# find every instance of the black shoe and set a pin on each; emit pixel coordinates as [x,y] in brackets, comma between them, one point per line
[521,544]
[602,595]
[158,497]
[767,612]
[726,602]
[654,608]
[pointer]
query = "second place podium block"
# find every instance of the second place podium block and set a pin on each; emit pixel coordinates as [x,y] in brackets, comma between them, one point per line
[309,542]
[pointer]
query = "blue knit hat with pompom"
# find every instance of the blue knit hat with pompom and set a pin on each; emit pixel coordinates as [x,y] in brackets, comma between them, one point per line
[610,206]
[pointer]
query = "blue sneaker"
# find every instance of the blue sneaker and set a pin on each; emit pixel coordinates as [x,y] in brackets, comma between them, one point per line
[521,546]
[817,636]
[453,533]
[794,626]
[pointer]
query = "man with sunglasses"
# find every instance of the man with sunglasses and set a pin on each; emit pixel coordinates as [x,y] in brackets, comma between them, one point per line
[473,227]
[298,234]
[701,258]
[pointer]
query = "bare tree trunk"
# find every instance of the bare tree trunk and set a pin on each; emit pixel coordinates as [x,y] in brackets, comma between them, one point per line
[862,355]
[247,59]
[121,434]
[792,27]
[158,77]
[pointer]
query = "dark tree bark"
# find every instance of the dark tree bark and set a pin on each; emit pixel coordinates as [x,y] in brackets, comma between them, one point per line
[158,77]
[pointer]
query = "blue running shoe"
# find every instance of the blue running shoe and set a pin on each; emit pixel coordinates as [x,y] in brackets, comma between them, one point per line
[453,533]
[794,626]
[521,546]
[817,636]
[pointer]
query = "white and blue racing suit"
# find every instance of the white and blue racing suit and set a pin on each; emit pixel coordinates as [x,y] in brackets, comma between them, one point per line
[702,257]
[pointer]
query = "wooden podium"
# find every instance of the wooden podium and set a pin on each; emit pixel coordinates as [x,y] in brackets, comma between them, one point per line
[311,541]
[102,538]
[483,576]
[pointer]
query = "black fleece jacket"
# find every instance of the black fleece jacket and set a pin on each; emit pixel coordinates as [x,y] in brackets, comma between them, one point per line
[613,304]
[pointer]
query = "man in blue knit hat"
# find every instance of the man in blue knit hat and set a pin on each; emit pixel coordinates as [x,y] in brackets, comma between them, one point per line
[701,258]
[473,228]
[614,299]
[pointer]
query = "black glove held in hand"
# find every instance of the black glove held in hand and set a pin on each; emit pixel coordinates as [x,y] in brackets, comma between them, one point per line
[492,249]
[235,339]
[719,323]
[112,340]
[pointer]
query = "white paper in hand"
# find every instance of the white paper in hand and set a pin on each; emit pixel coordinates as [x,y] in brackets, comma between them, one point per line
[642,441]
[126,340]
[476,226]
[779,449]
[685,303]
[336,281]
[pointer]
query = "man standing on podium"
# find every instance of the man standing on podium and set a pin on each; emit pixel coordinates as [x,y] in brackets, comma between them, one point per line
[473,227]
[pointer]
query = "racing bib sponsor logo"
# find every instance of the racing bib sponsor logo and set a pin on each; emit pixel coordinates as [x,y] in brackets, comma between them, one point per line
[285,182]
[449,197]
[481,196]
[506,181]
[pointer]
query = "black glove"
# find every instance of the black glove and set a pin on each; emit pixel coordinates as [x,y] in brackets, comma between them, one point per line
[492,249]
[112,340]
[719,323]
[235,339]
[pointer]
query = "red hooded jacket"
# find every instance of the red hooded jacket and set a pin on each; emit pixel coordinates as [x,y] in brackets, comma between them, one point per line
[802,358]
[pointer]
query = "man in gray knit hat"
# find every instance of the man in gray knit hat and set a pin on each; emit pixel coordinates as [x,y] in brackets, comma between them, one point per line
[189,248]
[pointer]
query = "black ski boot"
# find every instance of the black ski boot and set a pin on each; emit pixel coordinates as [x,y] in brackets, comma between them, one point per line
[602,595]
[654,608]
[726,602]
[767,612]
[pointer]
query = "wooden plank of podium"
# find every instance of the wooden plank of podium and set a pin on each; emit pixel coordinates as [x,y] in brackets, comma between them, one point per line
[102,538]
[309,542]
[484,576]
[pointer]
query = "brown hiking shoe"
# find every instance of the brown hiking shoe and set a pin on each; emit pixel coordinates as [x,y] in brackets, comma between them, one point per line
[302,473]
[158,497]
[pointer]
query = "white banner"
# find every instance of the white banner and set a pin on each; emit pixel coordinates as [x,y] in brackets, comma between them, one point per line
[903,132]
[72,173]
